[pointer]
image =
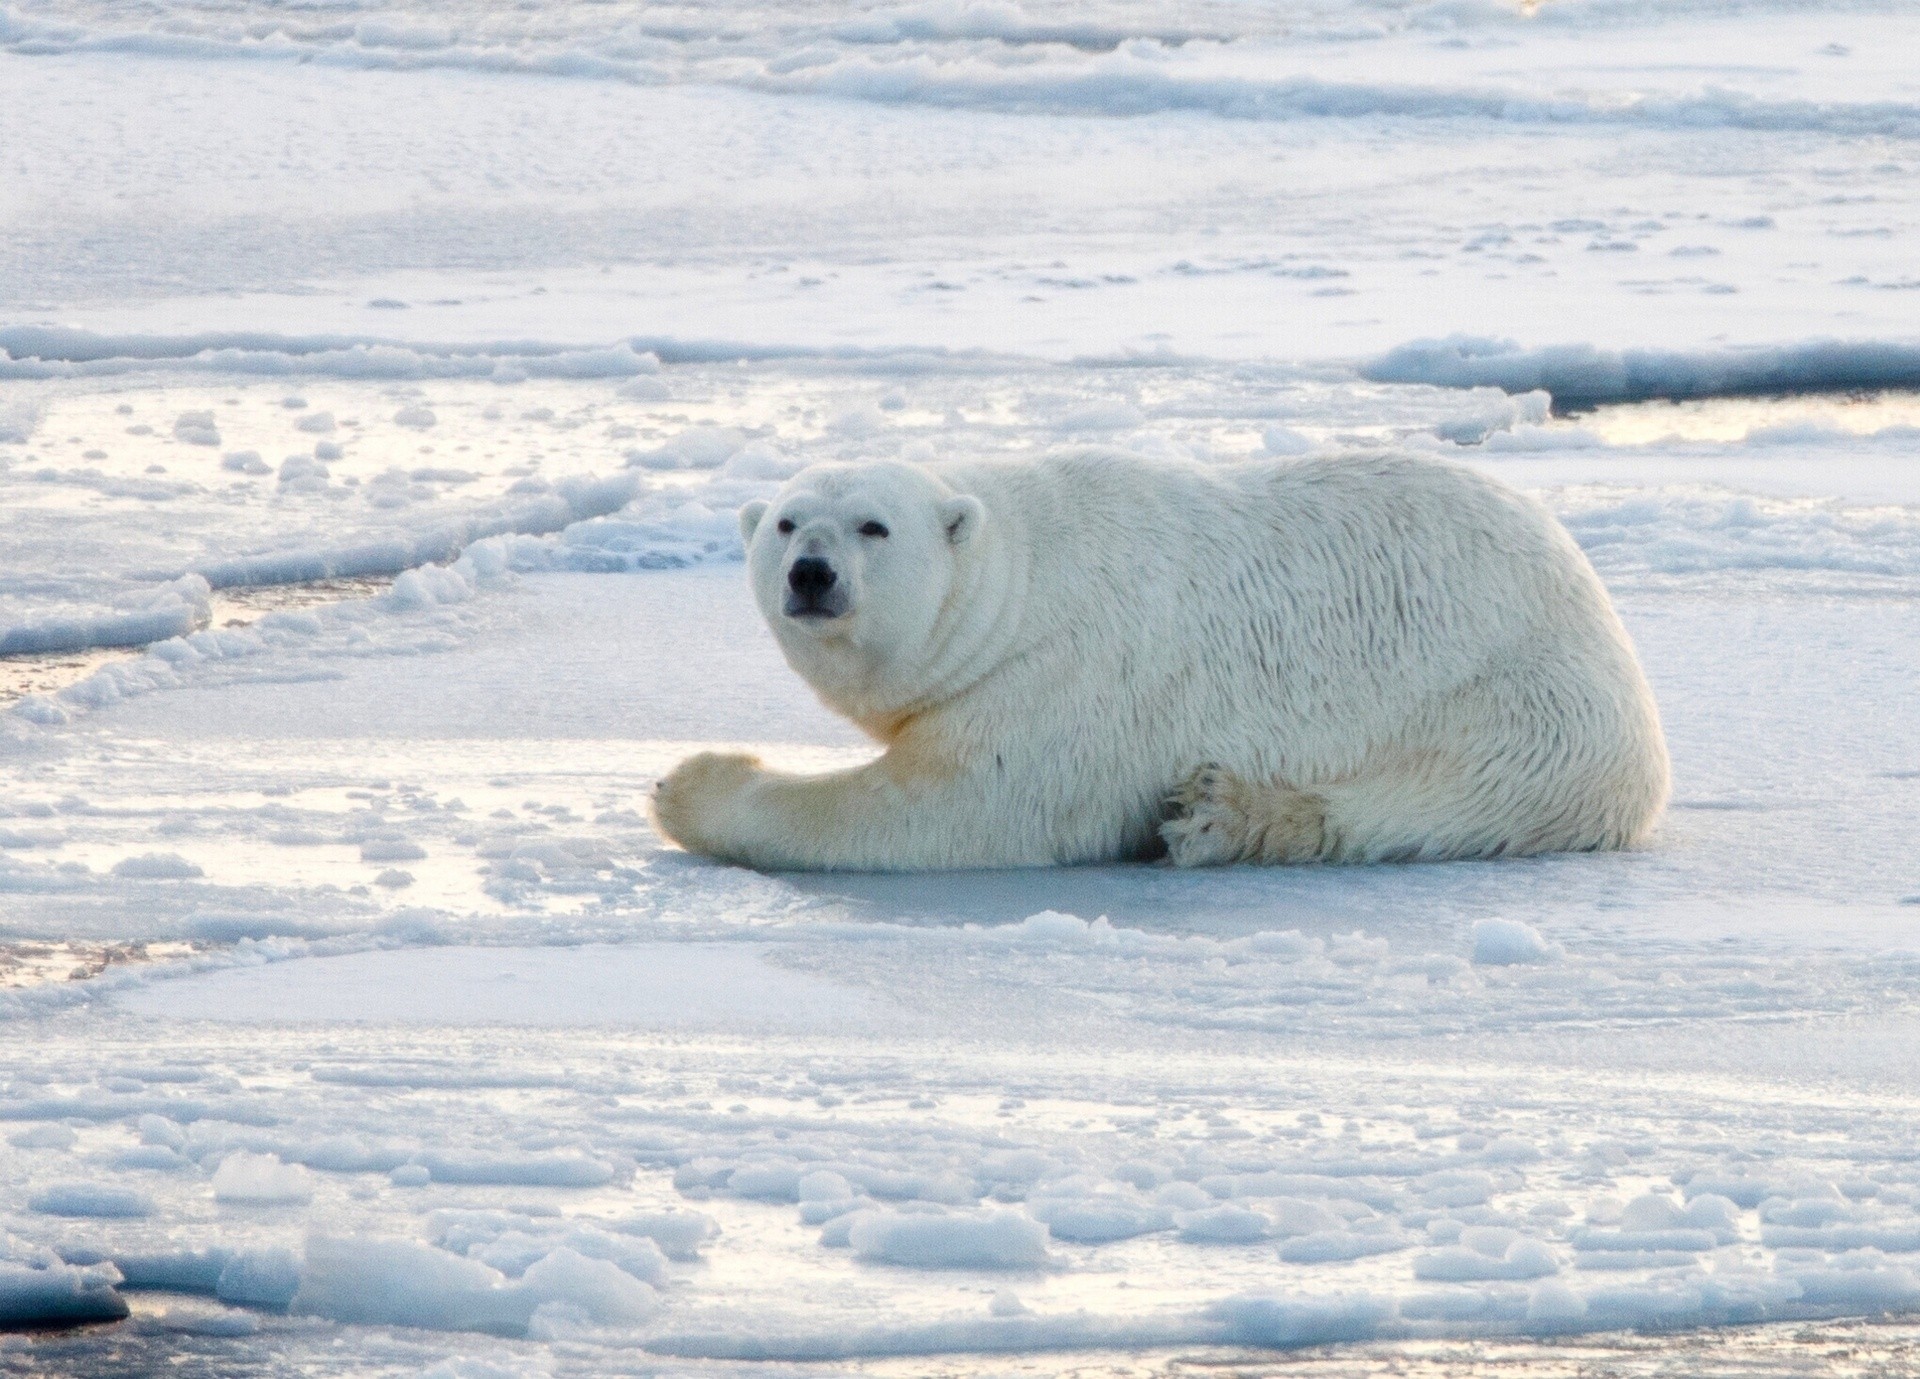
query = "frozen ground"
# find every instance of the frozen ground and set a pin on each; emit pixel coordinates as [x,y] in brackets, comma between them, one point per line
[376,388]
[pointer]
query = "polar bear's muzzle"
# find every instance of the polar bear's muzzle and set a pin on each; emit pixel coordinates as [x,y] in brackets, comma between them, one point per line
[814,590]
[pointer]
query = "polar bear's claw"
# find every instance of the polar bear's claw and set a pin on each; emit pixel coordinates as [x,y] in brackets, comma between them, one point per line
[1217,819]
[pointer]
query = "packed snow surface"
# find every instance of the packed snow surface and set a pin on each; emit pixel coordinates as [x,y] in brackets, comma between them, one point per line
[378,382]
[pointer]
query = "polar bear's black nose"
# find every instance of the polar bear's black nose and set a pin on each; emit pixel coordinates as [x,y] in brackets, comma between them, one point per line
[811,577]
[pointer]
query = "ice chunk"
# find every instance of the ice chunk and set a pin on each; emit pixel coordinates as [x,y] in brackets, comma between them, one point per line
[401,1283]
[90,1199]
[1555,1304]
[1325,1247]
[562,1169]
[697,447]
[1290,1322]
[514,1252]
[265,1276]
[260,1179]
[1508,942]
[303,474]
[158,1130]
[43,1137]
[157,866]
[1225,1225]
[679,1234]
[175,1271]
[994,1240]
[1583,374]
[196,428]
[1096,1218]
[765,1182]
[157,1157]
[823,1185]
[56,1294]
[380,1281]
[606,1292]
[391,850]
[1475,1260]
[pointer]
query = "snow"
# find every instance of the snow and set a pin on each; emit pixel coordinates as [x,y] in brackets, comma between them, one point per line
[367,551]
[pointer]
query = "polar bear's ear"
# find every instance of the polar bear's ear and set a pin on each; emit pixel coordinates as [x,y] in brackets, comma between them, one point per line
[962,516]
[750,516]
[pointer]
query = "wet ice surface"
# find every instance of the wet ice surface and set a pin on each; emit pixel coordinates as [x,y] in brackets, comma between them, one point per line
[366,503]
[1281,1107]
[1684,1104]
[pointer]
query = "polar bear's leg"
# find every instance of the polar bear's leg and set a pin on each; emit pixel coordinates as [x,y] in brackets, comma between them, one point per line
[1538,760]
[1219,818]
[893,814]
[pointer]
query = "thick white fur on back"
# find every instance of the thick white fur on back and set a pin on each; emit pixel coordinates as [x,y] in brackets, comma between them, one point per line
[1094,657]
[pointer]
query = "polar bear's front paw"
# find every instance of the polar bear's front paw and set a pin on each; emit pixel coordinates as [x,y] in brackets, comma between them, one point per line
[1218,818]
[691,802]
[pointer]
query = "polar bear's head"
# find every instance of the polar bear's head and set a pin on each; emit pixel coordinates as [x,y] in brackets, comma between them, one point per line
[852,565]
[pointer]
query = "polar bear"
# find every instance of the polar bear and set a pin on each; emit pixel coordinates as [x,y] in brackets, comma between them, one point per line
[1094,657]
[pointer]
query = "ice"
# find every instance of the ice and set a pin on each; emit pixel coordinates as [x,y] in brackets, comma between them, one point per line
[157,866]
[206,1321]
[663,986]
[367,494]
[266,1276]
[679,1234]
[40,1292]
[45,352]
[1495,1254]
[196,428]
[90,1199]
[1096,1217]
[1290,1322]
[260,1179]
[1581,375]
[1227,1225]
[1322,1247]
[1505,942]
[399,1282]
[174,609]
[995,1240]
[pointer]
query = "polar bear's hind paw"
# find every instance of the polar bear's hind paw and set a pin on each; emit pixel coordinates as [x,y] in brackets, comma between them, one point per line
[1217,818]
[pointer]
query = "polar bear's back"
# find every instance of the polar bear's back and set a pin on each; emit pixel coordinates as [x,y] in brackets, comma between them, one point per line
[1344,566]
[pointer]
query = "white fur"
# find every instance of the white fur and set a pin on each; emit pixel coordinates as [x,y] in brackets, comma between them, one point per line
[1095,657]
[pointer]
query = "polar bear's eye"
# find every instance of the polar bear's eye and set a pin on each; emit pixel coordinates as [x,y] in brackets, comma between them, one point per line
[872,529]
[786,526]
